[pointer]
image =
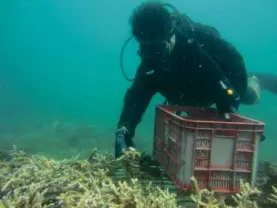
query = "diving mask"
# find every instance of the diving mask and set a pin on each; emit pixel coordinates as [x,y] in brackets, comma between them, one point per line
[154,51]
[157,50]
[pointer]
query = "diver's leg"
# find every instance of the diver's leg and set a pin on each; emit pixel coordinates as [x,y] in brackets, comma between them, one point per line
[268,81]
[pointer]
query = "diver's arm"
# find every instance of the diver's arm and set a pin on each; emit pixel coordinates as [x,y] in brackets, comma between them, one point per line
[231,64]
[136,100]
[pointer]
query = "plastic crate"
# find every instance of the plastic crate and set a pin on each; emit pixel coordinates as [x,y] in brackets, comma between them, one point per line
[199,143]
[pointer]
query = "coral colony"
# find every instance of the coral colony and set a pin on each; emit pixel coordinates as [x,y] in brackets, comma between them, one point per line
[34,181]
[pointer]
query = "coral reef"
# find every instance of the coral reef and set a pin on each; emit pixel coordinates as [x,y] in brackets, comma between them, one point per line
[245,199]
[31,181]
[267,180]
[273,196]
[34,181]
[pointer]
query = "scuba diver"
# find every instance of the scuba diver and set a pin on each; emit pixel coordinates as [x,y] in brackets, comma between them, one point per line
[188,63]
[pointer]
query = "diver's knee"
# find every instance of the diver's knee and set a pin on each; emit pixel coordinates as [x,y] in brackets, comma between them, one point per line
[253,91]
[252,97]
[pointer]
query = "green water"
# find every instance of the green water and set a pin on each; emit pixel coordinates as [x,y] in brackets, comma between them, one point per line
[61,88]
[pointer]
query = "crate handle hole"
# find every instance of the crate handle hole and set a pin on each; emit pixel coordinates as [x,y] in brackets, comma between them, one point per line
[182,113]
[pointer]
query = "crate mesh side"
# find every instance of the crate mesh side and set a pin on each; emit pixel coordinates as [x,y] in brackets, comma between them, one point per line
[221,180]
[185,161]
[218,155]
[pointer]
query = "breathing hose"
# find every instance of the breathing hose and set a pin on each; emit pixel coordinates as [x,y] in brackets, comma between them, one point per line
[121,59]
[202,52]
[131,37]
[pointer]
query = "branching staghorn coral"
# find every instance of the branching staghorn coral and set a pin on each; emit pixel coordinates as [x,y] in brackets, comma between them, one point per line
[273,197]
[205,198]
[36,182]
[243,199]
[40,182]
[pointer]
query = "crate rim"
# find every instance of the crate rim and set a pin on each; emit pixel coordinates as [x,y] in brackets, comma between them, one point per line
[166,109]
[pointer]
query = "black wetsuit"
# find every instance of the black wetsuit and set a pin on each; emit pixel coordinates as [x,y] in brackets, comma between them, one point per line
[185,77]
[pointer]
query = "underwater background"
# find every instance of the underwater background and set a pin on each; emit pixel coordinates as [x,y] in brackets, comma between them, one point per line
[61,86]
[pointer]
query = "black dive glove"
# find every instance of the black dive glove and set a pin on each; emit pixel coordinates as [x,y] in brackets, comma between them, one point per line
[122,141]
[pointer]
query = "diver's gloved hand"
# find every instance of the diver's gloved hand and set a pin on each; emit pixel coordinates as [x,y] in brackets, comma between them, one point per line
[263,137]
[122,142]
[226,114]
